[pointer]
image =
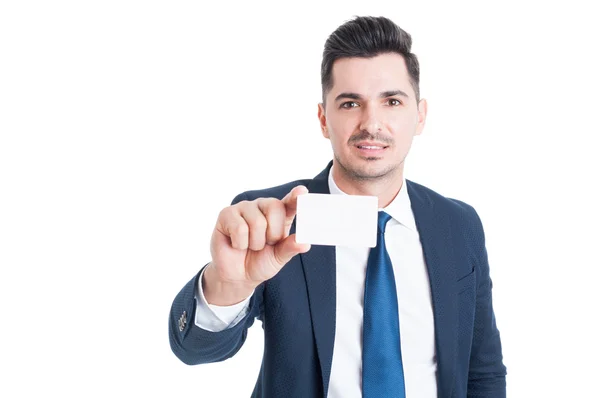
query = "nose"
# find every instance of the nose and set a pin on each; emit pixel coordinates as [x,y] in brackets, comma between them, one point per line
[370,121]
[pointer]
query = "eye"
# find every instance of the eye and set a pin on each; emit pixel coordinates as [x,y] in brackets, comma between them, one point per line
[349,104]
[394,102]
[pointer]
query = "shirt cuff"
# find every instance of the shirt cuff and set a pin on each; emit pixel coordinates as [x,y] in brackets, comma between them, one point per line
[215,318]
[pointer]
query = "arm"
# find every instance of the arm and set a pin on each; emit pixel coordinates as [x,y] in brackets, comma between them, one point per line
[215,318]
[487,373]
[194,345]
[250,244]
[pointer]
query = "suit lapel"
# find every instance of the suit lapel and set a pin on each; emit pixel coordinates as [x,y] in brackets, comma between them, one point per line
[319,271]
[435,234]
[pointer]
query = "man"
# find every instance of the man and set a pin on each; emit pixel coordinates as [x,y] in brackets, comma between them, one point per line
[411,317]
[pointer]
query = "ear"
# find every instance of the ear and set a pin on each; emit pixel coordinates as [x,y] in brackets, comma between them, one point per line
[323,120]
[422,115]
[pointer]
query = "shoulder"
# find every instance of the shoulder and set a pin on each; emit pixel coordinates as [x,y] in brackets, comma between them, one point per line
[458,212]
[458,218]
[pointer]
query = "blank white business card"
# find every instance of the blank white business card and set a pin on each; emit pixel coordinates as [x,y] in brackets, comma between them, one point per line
[337,220]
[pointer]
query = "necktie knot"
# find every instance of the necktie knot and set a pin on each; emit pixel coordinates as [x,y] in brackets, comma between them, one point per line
[382,220]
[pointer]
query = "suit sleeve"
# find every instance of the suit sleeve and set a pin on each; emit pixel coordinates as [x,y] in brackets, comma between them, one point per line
[194,345]
[215,318]
[487,373]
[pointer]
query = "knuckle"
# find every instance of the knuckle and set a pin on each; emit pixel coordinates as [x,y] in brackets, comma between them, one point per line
[276,207]
[239,205]
[241,228]
[257,244]
[239,242]
[224,213]
[261,223]
[279,204]
[265,205]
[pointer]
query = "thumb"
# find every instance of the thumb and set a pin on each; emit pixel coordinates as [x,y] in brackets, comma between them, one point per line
[288,248]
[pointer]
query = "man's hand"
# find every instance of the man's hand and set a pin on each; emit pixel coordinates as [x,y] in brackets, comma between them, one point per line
[250,244]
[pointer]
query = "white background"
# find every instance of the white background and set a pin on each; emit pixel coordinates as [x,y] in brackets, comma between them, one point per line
[126,126]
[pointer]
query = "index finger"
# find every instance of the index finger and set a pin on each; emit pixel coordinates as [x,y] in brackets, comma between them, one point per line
[290,201]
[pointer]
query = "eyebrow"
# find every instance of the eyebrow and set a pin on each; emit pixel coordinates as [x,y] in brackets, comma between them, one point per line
[383,94]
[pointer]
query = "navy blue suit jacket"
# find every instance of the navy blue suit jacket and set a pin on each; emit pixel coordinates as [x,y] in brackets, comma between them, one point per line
[297,308]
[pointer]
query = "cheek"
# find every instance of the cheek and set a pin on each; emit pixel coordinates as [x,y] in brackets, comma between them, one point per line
[401,121]
[403,127]
[341,129]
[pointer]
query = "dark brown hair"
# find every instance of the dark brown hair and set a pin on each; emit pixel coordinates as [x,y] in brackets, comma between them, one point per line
[368,37]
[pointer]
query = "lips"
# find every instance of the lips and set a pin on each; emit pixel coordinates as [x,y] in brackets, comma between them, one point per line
[371,151]
[370,145]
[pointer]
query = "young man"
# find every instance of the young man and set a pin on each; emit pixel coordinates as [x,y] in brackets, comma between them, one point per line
[411,317]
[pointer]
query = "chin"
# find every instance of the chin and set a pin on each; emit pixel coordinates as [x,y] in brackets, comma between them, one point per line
[367,169]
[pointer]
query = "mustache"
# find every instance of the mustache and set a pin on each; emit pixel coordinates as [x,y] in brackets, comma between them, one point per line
[366,136]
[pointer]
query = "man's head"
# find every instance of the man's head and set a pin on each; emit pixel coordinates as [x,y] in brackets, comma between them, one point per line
[370,83]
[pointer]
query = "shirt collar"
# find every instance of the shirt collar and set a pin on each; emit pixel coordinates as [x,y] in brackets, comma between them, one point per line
[399,208]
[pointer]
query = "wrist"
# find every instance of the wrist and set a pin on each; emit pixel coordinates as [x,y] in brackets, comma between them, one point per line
[223,293]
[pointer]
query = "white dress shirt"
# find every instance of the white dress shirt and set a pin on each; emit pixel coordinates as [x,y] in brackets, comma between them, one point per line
[417,339]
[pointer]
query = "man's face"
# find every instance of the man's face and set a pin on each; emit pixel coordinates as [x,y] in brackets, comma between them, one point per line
[371,103]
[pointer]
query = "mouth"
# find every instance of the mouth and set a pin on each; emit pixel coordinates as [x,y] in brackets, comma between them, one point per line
[368,149]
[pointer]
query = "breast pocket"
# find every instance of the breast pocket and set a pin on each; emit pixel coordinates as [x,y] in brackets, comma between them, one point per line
[466,283]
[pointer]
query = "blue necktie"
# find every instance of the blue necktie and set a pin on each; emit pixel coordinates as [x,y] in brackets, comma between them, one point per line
[382,373]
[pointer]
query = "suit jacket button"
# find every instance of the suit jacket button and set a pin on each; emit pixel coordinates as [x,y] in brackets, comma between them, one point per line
[182,321]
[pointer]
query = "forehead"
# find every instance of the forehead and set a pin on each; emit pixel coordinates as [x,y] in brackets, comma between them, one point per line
[366,75]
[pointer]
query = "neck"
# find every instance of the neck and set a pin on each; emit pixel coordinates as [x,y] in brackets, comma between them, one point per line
[385,187]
